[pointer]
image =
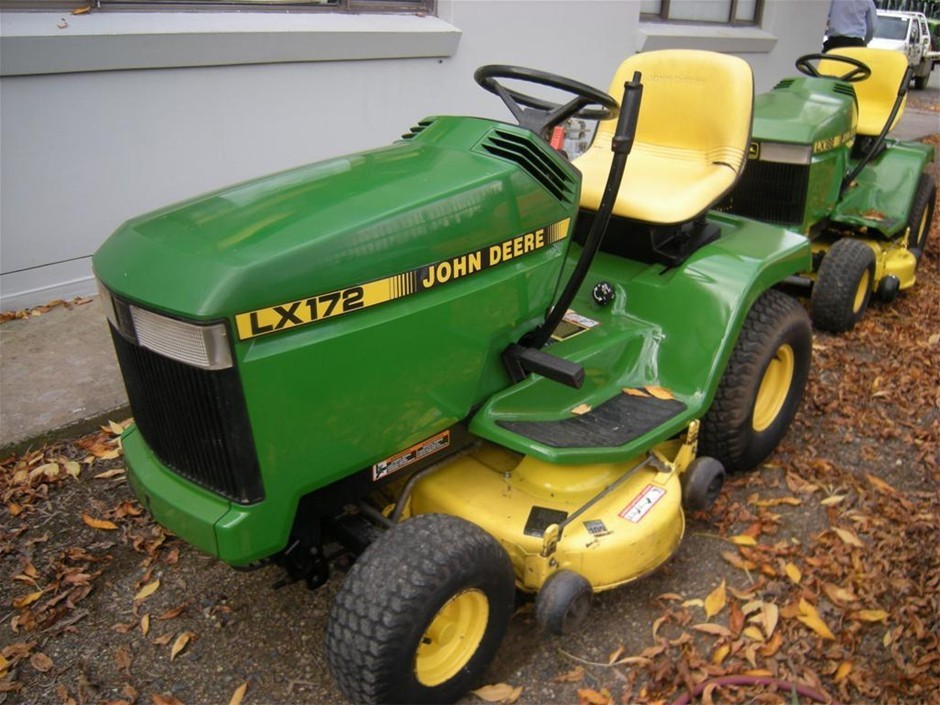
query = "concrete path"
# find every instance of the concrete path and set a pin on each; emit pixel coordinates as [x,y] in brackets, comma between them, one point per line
[58,375]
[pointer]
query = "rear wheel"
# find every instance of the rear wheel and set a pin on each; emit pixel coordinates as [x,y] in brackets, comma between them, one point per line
[843,286]
[921,215]
[421,613]
[762,387]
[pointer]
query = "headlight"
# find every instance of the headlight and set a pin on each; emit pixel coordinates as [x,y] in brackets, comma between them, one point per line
[781,153]
[204,346]
[199,345]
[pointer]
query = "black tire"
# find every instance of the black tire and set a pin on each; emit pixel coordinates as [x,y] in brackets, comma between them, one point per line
[563,602]
[701,483]
[920,82]
[747,418]
[920,217]
[382,613]
[843,286]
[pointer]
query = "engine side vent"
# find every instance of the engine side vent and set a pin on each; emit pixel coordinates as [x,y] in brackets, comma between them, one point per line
[785,83]
[533,159]
[844,89]
[417,129]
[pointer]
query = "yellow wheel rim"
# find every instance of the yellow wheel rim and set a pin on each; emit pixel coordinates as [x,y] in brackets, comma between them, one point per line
[774,388]
[452,637]
[861,292]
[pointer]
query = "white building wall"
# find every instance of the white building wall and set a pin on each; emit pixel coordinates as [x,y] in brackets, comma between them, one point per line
[82,151]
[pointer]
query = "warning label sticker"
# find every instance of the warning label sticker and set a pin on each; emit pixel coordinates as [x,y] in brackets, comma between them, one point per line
[572,324]
[642,503]
[432,445]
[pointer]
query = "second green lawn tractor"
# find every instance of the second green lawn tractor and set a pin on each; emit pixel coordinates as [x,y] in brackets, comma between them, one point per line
[478,369]
[821,162]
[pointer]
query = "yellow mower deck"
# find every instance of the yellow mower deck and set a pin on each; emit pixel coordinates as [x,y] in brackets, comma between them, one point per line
[634,523]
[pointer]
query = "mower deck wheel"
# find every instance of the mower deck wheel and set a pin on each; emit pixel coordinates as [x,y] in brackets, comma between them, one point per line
[762,386]
[843,286]
[421,613]
[563,602]
[701,483]
[921,215]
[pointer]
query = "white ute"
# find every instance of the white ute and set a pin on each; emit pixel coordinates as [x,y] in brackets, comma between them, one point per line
[906,32]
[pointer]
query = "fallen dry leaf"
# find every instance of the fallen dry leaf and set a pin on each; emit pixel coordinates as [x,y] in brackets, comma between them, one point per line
[102,524]
[572,676]
[181,641]
[581,409]
[40,662]
[502,693]
[239,694]
[27,599]
[716,601]
[848,537]
[147,590]
[157,699]
[588,696]
[793,573]
[871,615]
[810,617]
[743,540]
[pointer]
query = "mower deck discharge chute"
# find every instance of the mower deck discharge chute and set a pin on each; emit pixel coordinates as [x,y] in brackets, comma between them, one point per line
[822,163]
[475,367]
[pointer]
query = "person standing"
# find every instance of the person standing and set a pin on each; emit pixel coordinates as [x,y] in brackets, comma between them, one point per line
[851,23]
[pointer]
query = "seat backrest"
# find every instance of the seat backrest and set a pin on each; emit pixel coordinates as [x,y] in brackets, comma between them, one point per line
[876,94]
[691,140]
[692,99]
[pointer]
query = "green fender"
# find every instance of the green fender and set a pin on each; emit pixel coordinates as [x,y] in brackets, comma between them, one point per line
[880,198]
[671,328]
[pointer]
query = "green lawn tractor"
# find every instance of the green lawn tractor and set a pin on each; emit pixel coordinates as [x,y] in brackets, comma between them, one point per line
[821,163]
[478,369]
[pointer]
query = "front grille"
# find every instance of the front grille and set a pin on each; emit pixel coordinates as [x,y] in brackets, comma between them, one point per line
[194,420]
[771,192]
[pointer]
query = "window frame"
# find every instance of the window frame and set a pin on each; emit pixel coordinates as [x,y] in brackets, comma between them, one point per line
[732,21]
[384,7]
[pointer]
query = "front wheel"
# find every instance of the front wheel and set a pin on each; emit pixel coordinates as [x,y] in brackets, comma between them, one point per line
[762,386]
[843,286]
[421,613]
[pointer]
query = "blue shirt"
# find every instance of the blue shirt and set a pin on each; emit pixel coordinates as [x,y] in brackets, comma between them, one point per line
[852,18]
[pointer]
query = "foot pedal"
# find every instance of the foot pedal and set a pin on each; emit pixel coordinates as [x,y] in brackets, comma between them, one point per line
[521,361]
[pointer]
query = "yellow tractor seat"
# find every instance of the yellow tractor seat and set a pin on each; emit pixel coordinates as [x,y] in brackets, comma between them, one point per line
[876,94]
[691,139]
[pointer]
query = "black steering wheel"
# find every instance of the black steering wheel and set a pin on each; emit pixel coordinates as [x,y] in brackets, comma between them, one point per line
[539,115]
[859,72]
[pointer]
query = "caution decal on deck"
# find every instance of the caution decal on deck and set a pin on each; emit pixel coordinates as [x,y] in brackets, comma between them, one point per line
[642,503]
[319,307]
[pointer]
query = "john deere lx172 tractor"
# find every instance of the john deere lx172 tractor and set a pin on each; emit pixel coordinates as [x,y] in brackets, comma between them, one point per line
[472,365]
[821,163]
